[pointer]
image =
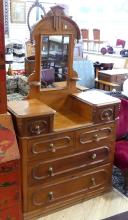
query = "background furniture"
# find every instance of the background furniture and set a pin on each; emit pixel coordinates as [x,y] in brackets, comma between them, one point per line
[117,76]
[101,83]
[121,151]
[120,42]
[10,179]
[85,37]
[96,39]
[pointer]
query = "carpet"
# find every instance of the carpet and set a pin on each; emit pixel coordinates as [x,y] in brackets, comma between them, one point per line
[121,216]
[118,180]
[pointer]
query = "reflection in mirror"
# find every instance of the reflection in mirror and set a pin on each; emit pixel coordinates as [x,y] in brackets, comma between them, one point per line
[54,61]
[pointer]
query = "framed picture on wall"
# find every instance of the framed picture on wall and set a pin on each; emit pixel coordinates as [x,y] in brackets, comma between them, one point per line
[18,11]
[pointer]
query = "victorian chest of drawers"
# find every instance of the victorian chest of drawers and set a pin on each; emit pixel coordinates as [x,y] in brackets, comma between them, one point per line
[61,167]
[10,179]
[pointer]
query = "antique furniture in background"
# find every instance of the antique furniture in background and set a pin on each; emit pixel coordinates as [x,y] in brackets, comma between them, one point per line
[10,175]
[85,37]
[97,39]
[121,151]
[100,82]
[117,76]
[66,137]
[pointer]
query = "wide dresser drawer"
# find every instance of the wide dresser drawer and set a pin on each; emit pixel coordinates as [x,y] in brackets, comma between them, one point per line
[95,135]
[50,146]
[81,184]
[51,170]
[58,145]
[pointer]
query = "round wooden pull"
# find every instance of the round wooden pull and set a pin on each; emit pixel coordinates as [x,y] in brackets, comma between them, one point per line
[52,148]
[50,170]
[50,195]
[93,156]
[107,116]
[95,137]
[93,181]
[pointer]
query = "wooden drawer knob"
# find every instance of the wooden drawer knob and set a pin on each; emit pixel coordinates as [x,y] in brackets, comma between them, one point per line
[93,181]
[93,156]
[50,170]
[36,130]
[50,195]
[95,137]
[52,148]
[107,116]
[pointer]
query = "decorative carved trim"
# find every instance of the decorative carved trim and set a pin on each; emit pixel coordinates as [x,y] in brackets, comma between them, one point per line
[106,114]
[34,151]
[95,135]
[38,127]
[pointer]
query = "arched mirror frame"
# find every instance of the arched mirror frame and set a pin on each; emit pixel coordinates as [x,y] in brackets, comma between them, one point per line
[54,23]
[34,5]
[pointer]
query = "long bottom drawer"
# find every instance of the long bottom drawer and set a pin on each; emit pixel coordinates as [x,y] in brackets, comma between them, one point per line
[82,184]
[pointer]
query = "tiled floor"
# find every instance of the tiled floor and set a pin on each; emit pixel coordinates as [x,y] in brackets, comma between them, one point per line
[98,208]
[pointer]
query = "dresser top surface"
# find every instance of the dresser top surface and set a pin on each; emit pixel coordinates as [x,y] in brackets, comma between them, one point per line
[96,98]
[29,108]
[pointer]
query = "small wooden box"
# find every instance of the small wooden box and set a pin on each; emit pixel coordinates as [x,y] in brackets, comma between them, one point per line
[28,120]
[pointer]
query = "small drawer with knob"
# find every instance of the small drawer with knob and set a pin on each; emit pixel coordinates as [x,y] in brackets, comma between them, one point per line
[105,114]
[51,146]
[34,126]
[95,135]
[82,183]
[51,171]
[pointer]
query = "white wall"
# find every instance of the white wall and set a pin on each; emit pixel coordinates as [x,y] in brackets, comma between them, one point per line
[110,16]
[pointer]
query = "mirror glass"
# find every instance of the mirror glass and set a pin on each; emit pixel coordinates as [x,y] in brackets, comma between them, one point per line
[35,15]
[54,61]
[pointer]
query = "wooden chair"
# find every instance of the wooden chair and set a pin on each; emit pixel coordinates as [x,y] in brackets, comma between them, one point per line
[120,42]
[85,37]
[96,39]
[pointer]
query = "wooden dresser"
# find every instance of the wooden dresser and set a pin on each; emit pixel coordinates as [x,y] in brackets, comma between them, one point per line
[66,137]
[10,175]
[65,158]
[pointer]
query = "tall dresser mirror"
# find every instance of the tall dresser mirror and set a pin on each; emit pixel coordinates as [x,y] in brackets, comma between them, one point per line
[54,37]
[54,61]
